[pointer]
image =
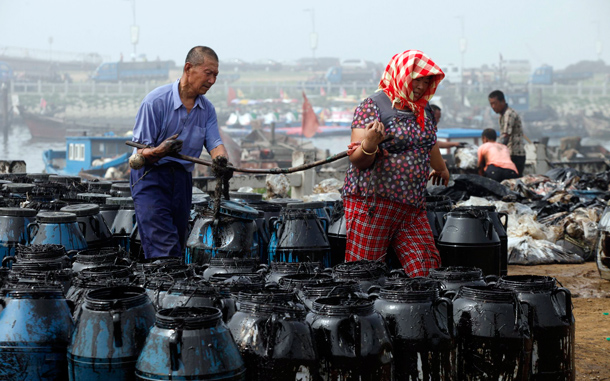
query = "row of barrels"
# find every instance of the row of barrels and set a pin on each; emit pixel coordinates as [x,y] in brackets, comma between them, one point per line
[168,320]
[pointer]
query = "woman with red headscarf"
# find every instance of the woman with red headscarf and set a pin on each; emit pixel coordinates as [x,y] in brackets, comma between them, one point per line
[384,192]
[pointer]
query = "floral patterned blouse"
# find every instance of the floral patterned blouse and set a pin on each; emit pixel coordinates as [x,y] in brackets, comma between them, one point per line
[403,175]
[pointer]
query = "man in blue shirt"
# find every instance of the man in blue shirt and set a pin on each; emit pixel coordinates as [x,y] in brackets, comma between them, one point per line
[173,118]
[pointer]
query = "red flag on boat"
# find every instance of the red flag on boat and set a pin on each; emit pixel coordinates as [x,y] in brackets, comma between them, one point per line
[343,93]
[231,95]
[364,94]
[282,95]
[322,92]
[310,120]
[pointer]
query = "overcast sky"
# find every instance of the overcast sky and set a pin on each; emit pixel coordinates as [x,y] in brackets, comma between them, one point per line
[557,32]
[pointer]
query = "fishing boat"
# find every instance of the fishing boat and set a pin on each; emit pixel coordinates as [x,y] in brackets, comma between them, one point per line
[90,156]
[49,127]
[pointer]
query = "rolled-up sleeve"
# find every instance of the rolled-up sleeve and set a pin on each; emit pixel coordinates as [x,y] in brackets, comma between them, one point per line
[148,125]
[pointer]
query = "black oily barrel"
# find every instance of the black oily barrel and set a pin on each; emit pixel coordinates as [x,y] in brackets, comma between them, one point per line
[352,340]
[283,348]
[493,335]
[337,235]
[421,325]
[552,324]
[436,209]
[454,277]
[469,238]
[500,221]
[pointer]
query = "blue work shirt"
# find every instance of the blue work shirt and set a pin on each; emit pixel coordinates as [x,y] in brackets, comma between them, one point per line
[162,115]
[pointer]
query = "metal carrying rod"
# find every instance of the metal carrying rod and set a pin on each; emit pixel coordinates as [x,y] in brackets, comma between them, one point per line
[273,171]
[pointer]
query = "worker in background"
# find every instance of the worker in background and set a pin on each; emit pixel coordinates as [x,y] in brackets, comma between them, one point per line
[511,129]
[436,115]
[173,118]
[494,158]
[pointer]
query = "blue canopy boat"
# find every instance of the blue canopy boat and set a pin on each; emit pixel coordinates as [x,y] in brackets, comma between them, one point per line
[90,155]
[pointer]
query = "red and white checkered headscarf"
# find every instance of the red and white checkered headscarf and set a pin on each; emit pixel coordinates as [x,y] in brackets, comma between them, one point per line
[397,81]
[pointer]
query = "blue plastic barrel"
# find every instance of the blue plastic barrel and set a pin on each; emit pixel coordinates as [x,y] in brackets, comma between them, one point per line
[13,229]
[35,328]
[188,343]
[110,334]
[60,228]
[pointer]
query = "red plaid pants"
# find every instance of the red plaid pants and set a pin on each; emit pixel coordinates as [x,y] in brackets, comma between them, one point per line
[404,227]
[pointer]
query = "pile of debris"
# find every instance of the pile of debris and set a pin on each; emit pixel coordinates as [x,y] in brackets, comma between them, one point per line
[553,218]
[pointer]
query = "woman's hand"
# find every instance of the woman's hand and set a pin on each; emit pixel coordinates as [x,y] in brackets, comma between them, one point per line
[374,134]
[440,177]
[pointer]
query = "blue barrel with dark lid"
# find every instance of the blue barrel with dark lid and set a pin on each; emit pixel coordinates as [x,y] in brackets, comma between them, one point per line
[189,343]
[233,234]
[299,235]
[110,334]
[60,228]
[91,223]
[33,345]
[124,222]
[13,229]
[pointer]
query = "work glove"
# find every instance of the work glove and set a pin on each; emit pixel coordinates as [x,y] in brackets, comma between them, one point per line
[169,146]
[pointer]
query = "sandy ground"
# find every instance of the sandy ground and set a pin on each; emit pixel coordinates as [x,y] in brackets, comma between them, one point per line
[591,300]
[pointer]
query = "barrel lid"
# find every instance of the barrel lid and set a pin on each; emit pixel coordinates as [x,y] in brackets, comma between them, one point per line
[10,176]
[246,196]
[94,198]
[488,208]
[65,179]
[97,186]
[38,176]
[122,201]
[82,210]
[342,305]
[305,205]
[283,201]
[234,209]
[121,187]
[187,317]
[17,212]
[57,217]
[18,187]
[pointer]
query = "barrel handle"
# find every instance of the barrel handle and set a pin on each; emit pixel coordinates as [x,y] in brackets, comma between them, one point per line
[2,303]
[7,259]
[273,324]
[490,228]
[567,315]
[528,311]
[448,326]
[450,294]
[355,319]
[118,334]
[325,222]
[95,224]
[437,224]
[374,289]
[273,224]
[31,231]
[71,306]
[174,353]
[82,227]
[223,307]
[491,279]
[505,223]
